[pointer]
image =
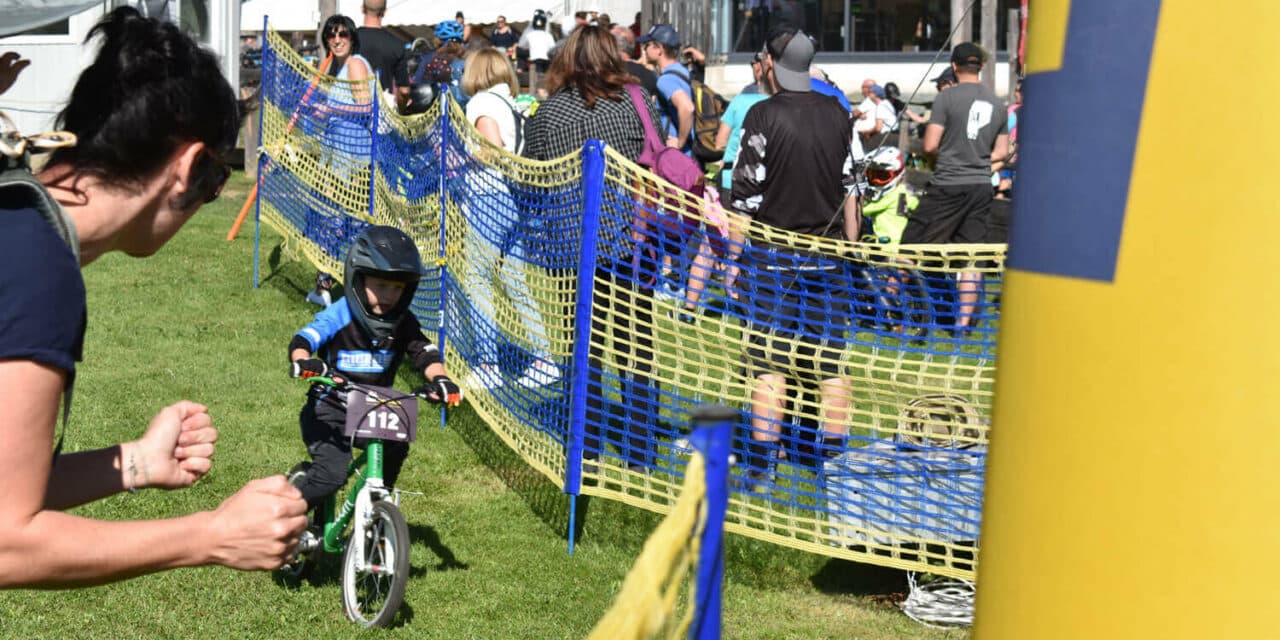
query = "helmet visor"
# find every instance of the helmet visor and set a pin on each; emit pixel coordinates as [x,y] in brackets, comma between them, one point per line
[880,176]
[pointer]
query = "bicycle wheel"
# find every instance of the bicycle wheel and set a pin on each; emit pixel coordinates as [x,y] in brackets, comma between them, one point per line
[372,594]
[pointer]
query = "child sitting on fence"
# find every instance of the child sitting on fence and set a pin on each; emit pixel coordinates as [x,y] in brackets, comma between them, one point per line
[363,337]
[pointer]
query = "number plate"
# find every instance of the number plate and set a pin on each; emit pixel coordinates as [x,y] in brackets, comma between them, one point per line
[381,413]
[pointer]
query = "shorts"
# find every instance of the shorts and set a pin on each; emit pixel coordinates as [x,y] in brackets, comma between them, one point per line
[799,312]
[950,215]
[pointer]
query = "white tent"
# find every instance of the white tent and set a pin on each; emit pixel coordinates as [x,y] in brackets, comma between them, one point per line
[285,15]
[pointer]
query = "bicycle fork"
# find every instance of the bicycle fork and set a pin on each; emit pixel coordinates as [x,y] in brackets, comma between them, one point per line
[358,505]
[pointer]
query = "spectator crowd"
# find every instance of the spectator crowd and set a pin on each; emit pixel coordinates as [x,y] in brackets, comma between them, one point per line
[791,152]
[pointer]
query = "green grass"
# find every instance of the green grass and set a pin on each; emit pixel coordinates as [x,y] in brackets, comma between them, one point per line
[489,549]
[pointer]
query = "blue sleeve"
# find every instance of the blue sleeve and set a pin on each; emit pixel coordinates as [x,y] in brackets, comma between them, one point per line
[669,84]
[844,101]
[326,325]
[43,316]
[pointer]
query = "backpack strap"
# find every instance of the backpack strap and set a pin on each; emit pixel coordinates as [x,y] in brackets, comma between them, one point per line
[676,73]
[19,187]
[687,82]
[518,119]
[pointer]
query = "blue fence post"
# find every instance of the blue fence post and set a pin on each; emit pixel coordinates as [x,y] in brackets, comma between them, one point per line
[263,83]
[445,130]
[713,431]
[592,199]
[375,92]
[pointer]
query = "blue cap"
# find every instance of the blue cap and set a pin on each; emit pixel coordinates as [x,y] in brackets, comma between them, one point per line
[877,91]
[663,34]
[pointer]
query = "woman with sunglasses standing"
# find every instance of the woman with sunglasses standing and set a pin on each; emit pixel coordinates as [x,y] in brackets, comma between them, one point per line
[347,142]
[153,117]
[349,112]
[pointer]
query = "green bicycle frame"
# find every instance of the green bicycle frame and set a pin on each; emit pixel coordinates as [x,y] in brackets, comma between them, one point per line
[371,461]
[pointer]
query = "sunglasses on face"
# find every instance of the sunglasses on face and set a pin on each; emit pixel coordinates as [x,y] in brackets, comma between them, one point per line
[339,33]
[214,176]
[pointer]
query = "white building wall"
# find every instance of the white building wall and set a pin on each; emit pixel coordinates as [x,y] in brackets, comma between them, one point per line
[34,101]
[56,61]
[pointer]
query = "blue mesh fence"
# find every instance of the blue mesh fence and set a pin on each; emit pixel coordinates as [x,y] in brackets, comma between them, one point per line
[587,307]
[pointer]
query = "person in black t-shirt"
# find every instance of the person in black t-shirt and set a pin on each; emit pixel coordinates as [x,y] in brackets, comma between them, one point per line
[794,157]
[384,51]
[648,81]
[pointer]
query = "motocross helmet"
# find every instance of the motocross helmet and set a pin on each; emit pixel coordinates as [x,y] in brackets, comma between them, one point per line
[885,168]
[384,252]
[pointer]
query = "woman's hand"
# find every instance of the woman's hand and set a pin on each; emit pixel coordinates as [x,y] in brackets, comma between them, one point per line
[174,453]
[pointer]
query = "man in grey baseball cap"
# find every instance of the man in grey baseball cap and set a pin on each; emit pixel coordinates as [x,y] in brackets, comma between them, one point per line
[795,156]
[792,53]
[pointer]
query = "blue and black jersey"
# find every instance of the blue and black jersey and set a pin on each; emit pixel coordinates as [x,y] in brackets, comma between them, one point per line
[335,338]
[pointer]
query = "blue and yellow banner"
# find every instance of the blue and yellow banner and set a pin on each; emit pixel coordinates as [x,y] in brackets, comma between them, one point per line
[1131,489]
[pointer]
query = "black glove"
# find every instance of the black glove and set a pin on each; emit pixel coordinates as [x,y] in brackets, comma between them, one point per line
[441,390]
[308,368]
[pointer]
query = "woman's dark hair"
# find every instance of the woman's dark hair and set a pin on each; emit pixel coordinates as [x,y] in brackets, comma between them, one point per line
[330,26]
[589,62]
[150,89]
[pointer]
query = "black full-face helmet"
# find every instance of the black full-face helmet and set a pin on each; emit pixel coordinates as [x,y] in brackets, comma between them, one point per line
[383,252]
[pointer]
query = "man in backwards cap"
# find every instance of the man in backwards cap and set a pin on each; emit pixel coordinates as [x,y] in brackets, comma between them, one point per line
[794,156]
[968,132]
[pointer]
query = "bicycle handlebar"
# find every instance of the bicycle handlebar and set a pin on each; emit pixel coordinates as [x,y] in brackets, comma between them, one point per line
[338,382]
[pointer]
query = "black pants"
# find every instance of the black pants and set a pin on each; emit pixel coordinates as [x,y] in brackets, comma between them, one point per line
[322,424]
[632,306]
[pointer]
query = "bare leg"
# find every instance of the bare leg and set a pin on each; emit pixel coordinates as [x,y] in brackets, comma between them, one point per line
[968,288]
[835,408]
[768,396]
[699,272]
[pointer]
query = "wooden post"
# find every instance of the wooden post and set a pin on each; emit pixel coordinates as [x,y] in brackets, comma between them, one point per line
[988,42]
[963,29]
[250,137]
[326,8]
[1015,33]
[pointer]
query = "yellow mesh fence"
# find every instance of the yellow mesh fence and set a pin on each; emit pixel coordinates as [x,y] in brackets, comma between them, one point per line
[684,306]
[662,582]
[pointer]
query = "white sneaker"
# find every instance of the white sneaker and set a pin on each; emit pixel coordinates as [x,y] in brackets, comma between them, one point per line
[539,374]
[486,377]
[320,297]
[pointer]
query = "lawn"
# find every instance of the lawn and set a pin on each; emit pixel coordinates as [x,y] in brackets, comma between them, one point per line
[489,550]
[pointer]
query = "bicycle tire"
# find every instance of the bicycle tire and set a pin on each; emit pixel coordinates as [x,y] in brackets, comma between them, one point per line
[301,567]
[371,598]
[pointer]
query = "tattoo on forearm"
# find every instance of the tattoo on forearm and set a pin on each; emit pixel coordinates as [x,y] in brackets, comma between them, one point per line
[134,472]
